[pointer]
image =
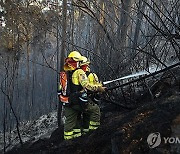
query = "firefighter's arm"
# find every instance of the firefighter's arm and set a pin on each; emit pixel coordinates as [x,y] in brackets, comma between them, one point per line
[93,79]
[87,85]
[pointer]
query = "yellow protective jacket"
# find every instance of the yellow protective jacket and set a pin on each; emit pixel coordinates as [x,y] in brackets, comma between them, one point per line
[79,77]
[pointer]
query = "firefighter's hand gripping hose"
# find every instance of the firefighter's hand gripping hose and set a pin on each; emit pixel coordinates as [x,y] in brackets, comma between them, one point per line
[101,89]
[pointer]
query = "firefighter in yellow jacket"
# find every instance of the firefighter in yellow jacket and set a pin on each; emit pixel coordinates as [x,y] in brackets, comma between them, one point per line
[93,98]
[78,102]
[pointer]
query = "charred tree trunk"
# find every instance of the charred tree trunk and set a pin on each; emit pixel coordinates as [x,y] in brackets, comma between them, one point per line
[63,48]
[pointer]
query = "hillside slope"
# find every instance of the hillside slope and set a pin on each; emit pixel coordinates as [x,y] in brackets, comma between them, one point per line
[121,131]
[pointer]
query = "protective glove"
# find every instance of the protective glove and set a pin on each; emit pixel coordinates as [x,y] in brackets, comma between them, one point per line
[101,89]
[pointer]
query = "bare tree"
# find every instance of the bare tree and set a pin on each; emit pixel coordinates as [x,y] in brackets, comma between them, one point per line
[63,48]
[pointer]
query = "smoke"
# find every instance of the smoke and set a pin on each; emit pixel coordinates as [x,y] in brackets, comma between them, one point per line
[150,70]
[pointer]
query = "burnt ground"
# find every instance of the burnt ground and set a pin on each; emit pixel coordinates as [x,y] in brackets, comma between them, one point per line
[121,131]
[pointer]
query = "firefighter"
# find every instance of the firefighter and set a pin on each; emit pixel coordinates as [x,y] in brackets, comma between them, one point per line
[77,99]
[93,99]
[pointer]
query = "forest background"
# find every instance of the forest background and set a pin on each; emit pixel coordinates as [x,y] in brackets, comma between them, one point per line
[120,37]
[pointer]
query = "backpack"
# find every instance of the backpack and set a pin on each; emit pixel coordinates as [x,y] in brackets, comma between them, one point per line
[69,93]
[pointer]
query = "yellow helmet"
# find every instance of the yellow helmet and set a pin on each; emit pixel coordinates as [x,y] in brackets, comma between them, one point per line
[75,55]
[84,61]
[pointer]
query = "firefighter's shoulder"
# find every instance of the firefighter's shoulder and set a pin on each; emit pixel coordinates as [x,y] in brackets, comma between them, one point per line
[79,73]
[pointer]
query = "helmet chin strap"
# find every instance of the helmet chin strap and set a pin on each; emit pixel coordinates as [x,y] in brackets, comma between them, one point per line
[78,65]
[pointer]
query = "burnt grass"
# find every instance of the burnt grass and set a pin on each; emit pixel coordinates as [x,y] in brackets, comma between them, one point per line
[121,131]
